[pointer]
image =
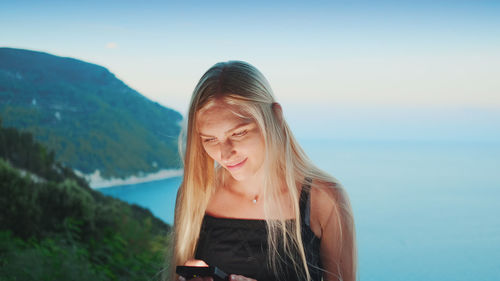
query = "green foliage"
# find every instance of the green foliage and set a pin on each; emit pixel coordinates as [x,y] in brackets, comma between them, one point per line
[53,228]
[92,120]
[44,260]
[20,149]
[20,212]
[61,231]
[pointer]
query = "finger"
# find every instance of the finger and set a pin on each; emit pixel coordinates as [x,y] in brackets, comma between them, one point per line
[180,278]
[234,277]
[195,263]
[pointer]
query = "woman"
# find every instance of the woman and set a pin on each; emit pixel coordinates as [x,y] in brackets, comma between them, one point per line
[251,202]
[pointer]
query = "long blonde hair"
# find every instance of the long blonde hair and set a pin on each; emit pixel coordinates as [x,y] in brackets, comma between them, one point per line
[240,84]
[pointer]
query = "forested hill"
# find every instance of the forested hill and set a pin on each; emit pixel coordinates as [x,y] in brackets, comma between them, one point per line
[88,117]
[53,226]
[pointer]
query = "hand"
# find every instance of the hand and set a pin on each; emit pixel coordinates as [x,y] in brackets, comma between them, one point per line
[234,277]
[196,263]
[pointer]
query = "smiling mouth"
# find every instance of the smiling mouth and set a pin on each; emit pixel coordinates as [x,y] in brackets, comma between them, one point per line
[236,166]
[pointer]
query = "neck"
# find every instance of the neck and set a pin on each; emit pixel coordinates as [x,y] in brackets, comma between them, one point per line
[250,189]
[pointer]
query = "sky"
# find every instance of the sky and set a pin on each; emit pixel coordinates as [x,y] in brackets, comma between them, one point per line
[403,70]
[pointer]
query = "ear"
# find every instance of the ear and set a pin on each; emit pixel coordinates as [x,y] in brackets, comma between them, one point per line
[278,111]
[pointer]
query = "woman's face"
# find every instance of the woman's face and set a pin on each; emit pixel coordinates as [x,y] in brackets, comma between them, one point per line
[235,143]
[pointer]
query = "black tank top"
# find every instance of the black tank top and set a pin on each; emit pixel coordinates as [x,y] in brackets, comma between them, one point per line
[239,246]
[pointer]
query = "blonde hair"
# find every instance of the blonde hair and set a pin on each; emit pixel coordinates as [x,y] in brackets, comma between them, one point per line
[240,84]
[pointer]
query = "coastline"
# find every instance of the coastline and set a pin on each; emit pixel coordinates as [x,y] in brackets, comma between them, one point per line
[96,181]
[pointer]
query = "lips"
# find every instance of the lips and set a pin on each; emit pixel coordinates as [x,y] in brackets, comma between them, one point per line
[237,165]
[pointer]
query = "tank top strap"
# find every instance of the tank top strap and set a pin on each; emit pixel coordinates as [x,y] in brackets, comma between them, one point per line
[305,203]
[310,241]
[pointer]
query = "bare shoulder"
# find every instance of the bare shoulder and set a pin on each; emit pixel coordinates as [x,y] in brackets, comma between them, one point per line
[326,195]
[326,199]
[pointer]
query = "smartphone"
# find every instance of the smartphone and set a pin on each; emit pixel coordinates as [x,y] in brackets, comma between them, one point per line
[189,272]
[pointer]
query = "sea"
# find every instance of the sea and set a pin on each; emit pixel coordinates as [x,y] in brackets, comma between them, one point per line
[424,210]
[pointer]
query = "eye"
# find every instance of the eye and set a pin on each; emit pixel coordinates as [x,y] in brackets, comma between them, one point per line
[209,140]
[240,134]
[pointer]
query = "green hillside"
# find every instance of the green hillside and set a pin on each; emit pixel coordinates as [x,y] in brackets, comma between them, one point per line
[53,226]
[88,117]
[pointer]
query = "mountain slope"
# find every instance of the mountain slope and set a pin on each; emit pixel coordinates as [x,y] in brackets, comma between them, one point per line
[53,226]
[88,117]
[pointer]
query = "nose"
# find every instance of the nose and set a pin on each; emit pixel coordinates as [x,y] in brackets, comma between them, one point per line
[226,151]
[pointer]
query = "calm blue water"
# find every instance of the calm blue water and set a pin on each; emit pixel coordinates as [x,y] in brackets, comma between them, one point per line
[423,211]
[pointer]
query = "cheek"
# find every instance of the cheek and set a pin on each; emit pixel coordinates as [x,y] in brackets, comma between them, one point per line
[213,152]
[254,147]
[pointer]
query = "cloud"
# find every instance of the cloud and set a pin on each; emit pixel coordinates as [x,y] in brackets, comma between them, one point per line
[111,45]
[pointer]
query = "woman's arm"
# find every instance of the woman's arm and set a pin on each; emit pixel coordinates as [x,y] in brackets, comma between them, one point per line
[332,215]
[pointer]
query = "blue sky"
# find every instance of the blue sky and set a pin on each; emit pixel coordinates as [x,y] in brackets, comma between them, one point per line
[364,69]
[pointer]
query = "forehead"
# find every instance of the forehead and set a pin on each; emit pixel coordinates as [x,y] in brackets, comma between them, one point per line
[219,117]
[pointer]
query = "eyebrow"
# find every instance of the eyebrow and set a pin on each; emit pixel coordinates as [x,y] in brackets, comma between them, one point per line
[230,130]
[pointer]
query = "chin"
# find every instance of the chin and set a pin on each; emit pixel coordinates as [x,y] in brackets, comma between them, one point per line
[238,175]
